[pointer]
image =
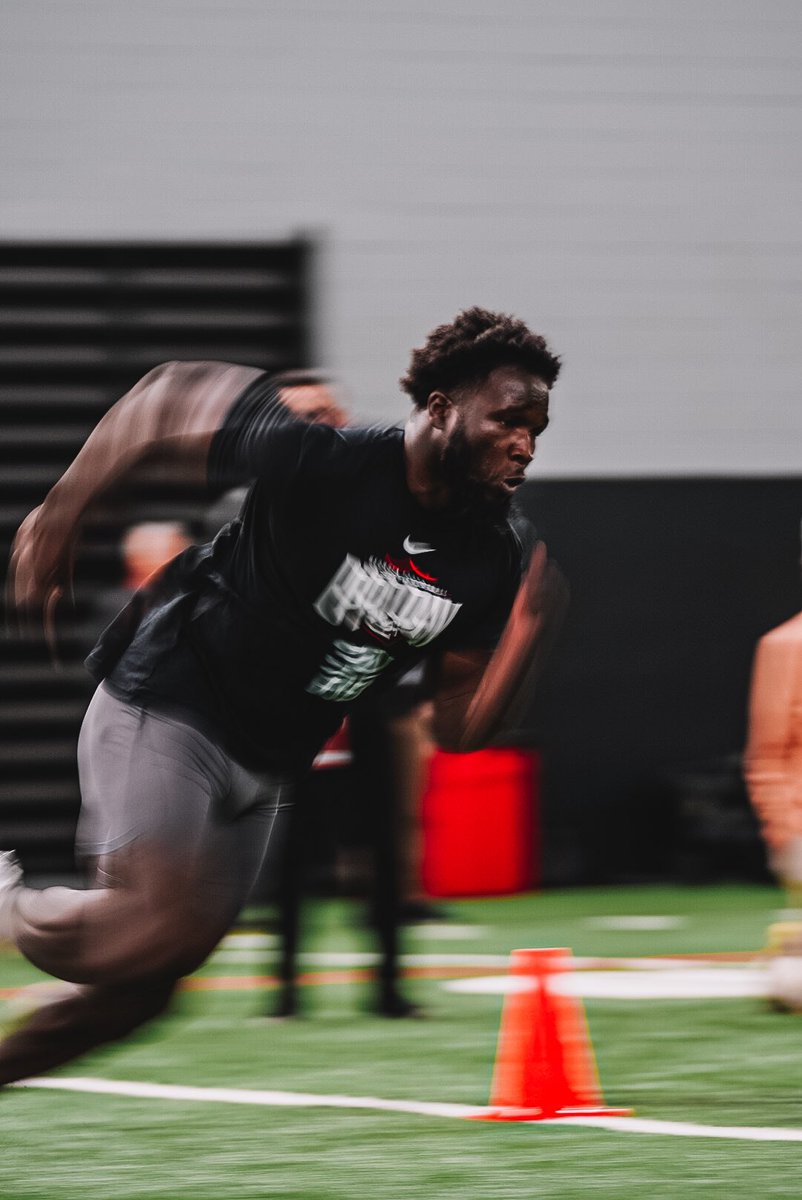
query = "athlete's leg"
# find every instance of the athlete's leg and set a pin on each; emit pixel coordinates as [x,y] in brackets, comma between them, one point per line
[75,1020]
[193,827]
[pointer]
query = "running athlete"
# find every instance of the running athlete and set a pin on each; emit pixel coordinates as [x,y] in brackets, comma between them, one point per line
[358,553]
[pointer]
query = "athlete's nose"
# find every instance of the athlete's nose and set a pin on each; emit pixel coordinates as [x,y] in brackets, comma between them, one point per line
[523,448]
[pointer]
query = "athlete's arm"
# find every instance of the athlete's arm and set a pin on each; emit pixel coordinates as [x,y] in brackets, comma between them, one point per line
[478,693]
[175,409]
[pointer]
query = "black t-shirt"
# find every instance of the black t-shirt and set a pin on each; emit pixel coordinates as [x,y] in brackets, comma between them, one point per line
[333,579]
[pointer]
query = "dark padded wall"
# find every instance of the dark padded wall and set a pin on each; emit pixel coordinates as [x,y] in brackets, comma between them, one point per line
[672,583]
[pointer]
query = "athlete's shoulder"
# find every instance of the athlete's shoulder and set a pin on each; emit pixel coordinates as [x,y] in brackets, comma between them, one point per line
[328,450]
[369,437]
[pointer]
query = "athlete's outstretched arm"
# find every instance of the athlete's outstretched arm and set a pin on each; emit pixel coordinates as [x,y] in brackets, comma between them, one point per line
[477,693]
[176,409]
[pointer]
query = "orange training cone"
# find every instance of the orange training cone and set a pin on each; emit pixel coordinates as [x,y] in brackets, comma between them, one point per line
[545,1066]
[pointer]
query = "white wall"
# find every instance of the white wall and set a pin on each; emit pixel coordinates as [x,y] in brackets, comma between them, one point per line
[624,174]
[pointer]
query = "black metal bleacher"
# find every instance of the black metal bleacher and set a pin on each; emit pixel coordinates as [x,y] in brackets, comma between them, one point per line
[79,324]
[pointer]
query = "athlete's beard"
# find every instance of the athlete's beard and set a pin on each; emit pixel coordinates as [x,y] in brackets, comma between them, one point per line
[459,464]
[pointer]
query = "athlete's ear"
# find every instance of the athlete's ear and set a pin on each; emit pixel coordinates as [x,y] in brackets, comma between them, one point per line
[438,406]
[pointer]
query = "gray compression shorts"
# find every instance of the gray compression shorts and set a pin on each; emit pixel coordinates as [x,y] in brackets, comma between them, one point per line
[149,776]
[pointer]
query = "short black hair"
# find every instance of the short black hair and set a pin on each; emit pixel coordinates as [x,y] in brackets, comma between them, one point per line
[468,349]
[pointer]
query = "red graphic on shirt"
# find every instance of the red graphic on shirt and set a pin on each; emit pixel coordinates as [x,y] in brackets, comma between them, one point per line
[406,563]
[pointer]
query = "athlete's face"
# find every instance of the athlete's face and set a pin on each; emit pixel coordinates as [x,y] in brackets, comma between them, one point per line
[490,435]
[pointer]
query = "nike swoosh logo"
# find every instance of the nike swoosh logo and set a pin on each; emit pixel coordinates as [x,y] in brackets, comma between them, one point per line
[417,547]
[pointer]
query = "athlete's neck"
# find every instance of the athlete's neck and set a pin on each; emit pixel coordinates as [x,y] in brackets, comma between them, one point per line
[422,463]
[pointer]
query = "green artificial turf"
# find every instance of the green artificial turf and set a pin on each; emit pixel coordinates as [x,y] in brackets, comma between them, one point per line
[713,1062]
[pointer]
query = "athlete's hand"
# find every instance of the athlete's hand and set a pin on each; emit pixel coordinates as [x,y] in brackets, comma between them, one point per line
[475,696]
[544,587]
[40,567]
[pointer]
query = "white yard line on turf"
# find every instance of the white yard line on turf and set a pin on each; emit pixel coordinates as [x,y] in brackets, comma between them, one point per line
[166,1091]
[636,924]
[169,1091]
[700,983]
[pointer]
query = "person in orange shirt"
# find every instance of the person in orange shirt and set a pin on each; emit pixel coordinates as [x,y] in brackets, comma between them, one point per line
[773,761]
[773,772]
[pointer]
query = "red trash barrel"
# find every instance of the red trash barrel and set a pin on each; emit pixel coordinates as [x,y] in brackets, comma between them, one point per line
[479,823]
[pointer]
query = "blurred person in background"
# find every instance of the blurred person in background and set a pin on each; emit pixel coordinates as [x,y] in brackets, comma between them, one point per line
[147,546]
[359,552]
[382,741]
[144,549]
[381,821]
[773,771]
